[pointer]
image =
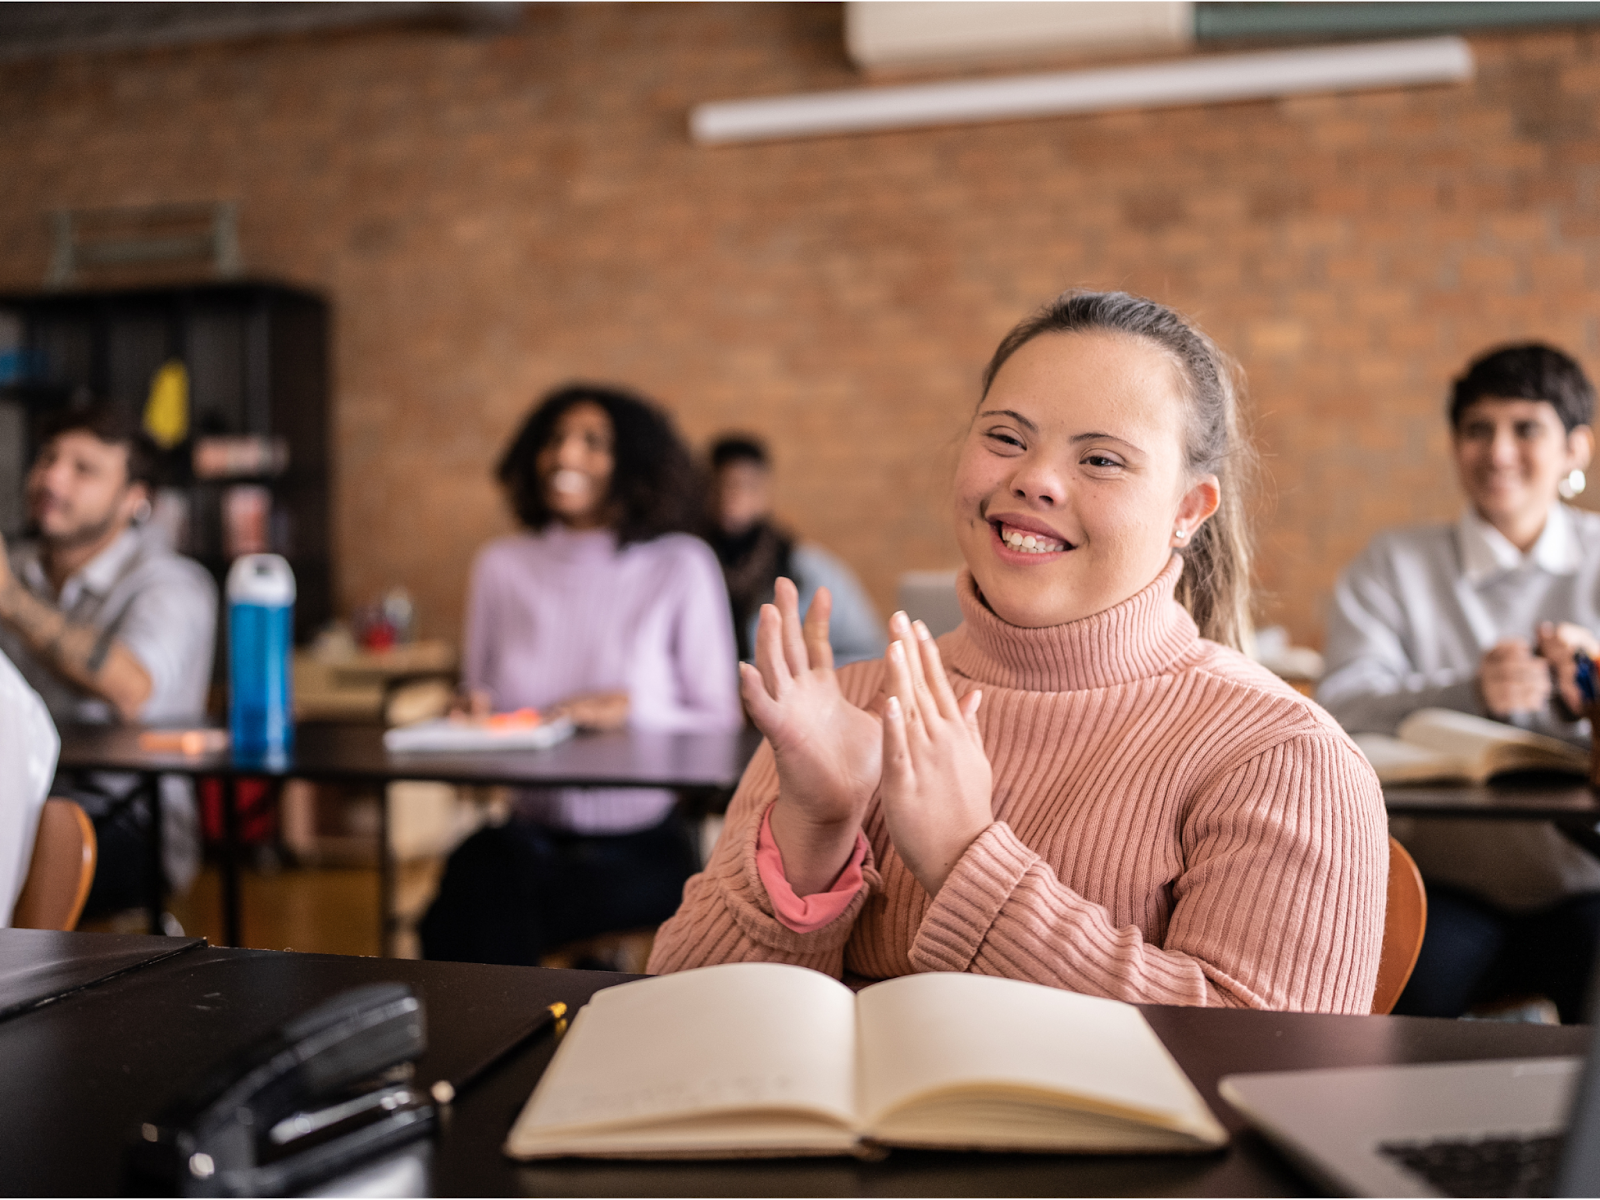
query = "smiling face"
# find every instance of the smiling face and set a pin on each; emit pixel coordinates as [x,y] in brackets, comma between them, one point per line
[1072,482]
[1510,455]
[575,466]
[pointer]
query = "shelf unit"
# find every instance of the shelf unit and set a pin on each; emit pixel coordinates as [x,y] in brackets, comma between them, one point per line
[257,359]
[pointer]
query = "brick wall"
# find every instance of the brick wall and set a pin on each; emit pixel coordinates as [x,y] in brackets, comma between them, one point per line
[491,217]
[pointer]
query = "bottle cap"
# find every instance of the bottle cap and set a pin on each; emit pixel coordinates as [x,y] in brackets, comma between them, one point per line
[261,579]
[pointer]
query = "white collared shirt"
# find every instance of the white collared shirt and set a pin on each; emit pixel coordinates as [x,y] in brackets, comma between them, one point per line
[1486,552]
[1410,621]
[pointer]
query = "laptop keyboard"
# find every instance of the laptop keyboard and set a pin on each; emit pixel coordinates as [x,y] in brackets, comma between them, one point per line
[1491,1166]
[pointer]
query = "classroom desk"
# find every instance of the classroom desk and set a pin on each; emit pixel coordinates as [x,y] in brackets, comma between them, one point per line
[77,1076]
[39,966]
[1570,804]
[1514,797]
[705,766]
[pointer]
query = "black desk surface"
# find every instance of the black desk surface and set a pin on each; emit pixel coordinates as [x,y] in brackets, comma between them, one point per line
[1515,797]
[77,1076]
[41,965]
[355,754]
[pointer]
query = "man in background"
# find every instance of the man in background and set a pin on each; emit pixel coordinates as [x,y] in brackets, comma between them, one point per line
[755,551]
[109,626]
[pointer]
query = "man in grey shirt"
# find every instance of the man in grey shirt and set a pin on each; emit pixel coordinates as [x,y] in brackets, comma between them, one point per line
[1484,616]
[107,625]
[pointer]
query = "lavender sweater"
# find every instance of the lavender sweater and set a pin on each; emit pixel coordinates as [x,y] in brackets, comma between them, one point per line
[557,614]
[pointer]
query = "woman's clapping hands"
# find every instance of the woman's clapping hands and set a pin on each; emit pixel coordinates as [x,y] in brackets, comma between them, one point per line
[937,783]
[926,753]
[828,751]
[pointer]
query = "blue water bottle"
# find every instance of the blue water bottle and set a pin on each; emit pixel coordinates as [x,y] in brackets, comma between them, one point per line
[260,639]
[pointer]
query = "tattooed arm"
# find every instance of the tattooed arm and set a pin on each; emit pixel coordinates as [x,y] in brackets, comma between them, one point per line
[91,658]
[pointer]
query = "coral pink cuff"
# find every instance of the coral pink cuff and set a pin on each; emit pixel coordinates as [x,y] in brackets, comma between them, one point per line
[815,911]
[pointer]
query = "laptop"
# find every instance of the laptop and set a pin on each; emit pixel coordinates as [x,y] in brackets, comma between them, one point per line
[1511,1127]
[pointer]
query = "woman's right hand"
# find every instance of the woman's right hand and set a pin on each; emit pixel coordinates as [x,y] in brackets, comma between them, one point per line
[829,752]
[1559,645]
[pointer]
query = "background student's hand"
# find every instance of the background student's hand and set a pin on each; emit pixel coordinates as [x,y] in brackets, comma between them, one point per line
[599,712]
[828,750]
[1512,680]
[1557,646]
[937,791]
[471,702]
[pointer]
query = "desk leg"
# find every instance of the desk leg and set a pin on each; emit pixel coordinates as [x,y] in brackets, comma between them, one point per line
[386,919]
[155,885]
[230,861]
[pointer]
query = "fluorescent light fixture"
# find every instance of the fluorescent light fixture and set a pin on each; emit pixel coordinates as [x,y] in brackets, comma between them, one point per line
[1206,80]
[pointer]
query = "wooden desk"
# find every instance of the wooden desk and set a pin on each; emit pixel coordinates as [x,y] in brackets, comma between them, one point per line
[356,686]
[707,766]
[77,1076]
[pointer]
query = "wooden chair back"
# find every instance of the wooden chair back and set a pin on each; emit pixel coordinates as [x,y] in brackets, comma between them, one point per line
[61,871]
[1403,926]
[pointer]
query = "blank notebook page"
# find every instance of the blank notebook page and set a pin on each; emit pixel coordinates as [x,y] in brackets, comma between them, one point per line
[736,1037]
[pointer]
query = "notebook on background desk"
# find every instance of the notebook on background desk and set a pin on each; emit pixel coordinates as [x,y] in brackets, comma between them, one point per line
[41,965]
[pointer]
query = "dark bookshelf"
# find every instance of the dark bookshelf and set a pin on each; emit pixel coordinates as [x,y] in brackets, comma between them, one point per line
[257,359]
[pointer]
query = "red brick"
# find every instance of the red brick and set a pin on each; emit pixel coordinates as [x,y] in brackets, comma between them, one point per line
[493,216]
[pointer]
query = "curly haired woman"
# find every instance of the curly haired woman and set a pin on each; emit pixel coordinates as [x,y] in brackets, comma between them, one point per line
[606,610]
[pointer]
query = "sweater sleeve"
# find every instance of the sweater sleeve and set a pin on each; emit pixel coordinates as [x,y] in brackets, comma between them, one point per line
[1280,904]
[727,914]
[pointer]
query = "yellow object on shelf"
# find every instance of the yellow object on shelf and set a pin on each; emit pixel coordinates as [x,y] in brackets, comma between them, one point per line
[166,413]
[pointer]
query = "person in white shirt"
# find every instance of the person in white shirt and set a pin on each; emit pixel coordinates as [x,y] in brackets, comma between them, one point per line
[1484,616]
[28,748]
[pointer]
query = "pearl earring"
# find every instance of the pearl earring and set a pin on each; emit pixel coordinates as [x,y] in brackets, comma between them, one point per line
[1180,533]
[1573,484]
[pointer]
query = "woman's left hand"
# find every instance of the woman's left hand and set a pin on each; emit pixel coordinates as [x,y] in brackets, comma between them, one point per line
[937,783]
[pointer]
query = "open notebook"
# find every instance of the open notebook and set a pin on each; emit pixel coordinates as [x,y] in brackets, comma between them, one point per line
[1441,744]
[521,730]
[770,1059]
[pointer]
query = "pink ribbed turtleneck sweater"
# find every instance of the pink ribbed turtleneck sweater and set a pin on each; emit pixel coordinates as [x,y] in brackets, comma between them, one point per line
[1173,825]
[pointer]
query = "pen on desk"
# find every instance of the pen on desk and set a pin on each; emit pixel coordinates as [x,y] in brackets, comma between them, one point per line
[446,1091]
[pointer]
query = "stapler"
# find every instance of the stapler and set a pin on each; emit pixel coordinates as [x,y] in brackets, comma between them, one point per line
[323,1092]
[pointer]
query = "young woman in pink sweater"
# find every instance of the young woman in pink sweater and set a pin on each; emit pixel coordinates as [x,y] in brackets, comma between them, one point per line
[1086,784]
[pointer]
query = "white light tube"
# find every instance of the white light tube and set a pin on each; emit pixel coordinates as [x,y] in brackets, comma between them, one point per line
[1204,80]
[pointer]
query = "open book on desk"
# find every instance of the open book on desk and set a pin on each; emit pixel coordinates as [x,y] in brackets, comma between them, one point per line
[770,1059]
[1440,744]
